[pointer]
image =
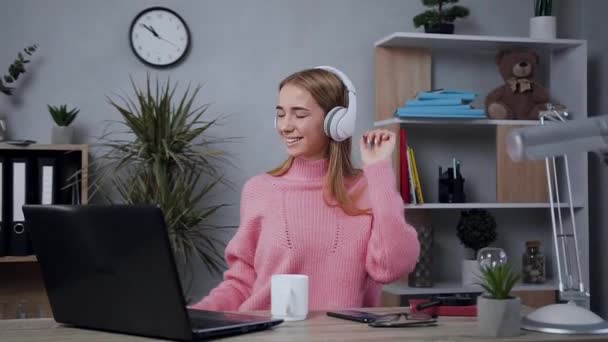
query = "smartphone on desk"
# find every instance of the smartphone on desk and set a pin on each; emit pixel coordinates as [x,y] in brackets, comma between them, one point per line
[354,315]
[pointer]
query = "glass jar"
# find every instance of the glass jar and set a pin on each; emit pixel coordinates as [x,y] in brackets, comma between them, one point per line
[533,264]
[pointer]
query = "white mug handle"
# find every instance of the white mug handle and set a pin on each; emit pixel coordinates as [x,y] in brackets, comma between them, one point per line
[289,308]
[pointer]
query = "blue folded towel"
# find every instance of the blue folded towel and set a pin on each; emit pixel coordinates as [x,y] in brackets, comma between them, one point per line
[447,94]
[436,102]
[439,110]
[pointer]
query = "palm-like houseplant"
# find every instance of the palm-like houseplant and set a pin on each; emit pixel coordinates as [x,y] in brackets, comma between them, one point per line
[498,311]
[167,159]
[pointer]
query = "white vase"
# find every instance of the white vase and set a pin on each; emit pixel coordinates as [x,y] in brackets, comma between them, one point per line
[499,317]
[62,135]
[3,129]
[543,27]
[470,272]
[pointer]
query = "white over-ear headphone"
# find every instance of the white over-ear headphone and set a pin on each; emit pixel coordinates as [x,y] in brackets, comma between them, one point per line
[339,121]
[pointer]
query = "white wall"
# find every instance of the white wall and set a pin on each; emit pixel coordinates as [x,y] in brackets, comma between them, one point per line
[241,49]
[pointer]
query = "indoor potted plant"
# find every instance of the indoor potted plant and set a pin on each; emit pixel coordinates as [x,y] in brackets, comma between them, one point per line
[543,24]
[161,153]
[476,229]
[498,311]
[440,19]
[62,132]
[14,71]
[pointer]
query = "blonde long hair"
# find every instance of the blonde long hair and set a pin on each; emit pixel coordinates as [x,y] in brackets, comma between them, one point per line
[327,89]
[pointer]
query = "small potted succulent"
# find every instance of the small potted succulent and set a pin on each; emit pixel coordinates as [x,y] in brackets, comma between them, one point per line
[62,131]
[440,19]
[498,311]
[476,229]
[543,24]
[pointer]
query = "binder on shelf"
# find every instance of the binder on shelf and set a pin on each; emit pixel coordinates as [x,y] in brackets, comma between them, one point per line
[410,167]
[68,182]
[419,196]
[19,242]
[3,225]
[403,167]
[47,181]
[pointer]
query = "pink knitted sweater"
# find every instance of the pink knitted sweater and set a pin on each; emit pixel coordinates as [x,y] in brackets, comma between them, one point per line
[287,228]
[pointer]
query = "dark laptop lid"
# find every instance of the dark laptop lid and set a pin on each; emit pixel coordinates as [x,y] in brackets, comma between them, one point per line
[109,268]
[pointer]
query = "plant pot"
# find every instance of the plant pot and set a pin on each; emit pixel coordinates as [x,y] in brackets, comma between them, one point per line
[62,135]
[543,27]
[470,272]
[445,28]
[3,129]
[499,317]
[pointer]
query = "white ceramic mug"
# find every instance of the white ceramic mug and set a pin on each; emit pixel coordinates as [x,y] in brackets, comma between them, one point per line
[289,296]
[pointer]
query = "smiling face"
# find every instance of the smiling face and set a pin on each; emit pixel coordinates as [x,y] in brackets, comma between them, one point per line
[300,123]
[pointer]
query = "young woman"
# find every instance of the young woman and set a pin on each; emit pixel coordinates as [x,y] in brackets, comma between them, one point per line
[316,214]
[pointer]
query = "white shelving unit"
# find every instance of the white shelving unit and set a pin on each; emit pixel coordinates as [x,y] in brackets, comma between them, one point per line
[426,206]
[424,121]
[402,288]
[482,44]
[467,62]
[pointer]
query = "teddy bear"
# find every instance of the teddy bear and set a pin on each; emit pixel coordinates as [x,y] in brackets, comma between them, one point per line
[520,97]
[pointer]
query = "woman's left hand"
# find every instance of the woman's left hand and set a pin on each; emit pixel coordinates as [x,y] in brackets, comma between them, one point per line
[377,145]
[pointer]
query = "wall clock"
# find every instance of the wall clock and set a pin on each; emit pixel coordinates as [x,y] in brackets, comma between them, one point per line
[159,37]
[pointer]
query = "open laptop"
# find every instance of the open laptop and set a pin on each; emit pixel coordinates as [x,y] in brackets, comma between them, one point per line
[112,268]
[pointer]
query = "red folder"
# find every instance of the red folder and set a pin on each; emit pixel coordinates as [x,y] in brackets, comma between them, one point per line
[404,173]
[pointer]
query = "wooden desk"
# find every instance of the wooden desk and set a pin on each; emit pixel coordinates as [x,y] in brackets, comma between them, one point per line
[318,327]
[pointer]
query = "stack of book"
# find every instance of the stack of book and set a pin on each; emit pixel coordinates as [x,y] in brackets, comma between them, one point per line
[411,190]
[441,103]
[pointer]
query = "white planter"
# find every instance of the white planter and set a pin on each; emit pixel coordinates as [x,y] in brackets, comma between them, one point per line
[470,272]
[3,129]
[499,317]
[62,135]
[543,27]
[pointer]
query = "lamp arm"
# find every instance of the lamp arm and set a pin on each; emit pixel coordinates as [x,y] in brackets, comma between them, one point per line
[559,138]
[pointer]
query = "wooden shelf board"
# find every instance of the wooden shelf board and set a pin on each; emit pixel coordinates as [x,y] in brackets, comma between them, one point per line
[472,43]
[13,259]
[401,288]
[45,147]
[485,205]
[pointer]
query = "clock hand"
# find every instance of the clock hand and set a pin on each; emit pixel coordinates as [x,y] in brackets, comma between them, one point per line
[149,28]
[154,32]
[170,42]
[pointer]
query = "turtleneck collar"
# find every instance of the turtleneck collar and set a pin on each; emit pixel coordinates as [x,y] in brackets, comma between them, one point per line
[307,169]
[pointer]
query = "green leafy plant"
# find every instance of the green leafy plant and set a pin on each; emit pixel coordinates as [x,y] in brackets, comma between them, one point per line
[15,69]
[440,15]
[543,8]
[498,281]
[62,116]
[476,229]
[170,160]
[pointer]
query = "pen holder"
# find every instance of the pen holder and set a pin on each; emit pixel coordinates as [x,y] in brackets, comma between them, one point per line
[451,186]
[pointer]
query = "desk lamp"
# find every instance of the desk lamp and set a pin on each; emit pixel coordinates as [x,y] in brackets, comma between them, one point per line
[556,137]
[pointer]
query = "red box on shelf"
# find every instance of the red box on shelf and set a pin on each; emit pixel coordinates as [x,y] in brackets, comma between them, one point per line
[444,310]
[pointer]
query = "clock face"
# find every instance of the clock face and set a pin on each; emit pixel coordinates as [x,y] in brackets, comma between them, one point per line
[159,36]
